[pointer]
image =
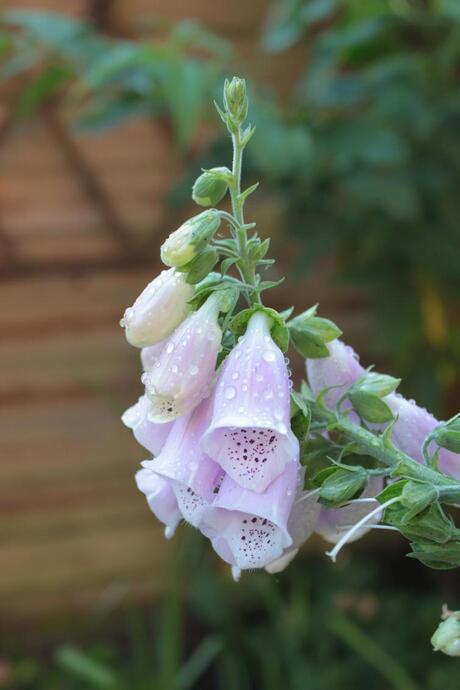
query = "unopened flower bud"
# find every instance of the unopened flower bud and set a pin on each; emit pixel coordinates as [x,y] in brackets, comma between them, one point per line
[183,244]
[446,638]
[158,310]
[235,99]
[448,435]
[211,186]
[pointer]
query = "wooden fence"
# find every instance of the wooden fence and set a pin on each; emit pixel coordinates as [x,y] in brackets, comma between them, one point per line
[71,209]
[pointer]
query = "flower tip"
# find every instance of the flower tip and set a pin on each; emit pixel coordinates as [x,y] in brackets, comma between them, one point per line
[169,531]
[236,573]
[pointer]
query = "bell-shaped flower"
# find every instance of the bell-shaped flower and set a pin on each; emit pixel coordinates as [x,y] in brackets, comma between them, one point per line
[182,375]
[158,310]
[150,435]
[250,434]
[301,525]
[248,529]
[334,523]
[160,498]
[193,477]
[413,423]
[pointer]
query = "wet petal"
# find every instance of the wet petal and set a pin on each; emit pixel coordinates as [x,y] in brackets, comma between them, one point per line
[250,434]
[151,436]
[183,373]
[248,529]
[160,498]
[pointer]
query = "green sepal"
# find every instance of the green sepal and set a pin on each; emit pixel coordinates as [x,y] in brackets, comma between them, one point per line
[200,266]
[278,329]
[342,485]
[391,491]
[439,557]
[375,384]
[300,417]
[416,496]
[370,407]
[310,334]
[431,524]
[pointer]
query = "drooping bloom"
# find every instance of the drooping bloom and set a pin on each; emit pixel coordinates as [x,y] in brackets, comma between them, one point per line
[160,498]
[158,310]
[150,435]
[182,375]
[192,476]
[301,525]
[248,529]
[413,423]
[250,434]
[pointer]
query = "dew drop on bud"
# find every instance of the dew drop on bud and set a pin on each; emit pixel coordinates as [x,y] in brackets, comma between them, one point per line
[269,356]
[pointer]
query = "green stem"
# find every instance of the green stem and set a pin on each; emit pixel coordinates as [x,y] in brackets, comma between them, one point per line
[386,453]
[244,264]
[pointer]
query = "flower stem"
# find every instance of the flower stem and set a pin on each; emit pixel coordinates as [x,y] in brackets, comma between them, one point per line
[245,265]
[382,450]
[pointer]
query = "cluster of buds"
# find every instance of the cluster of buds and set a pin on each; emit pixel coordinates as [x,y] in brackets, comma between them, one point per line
[234,451]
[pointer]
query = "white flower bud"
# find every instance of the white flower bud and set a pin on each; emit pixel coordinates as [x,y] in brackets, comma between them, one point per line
[158,310]
[446,638]
[184,243]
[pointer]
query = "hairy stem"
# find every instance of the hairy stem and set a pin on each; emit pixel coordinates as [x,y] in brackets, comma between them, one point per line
[244,263]
[383,451]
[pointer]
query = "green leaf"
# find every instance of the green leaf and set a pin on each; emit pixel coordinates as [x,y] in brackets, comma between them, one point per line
[86,669]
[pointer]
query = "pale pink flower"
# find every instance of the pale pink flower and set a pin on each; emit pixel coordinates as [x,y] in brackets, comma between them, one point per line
[193,477]
[248,529]
[250,434]
[183,373]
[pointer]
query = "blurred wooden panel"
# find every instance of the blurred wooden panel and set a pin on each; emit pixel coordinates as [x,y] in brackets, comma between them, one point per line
[71,517]
[226,17]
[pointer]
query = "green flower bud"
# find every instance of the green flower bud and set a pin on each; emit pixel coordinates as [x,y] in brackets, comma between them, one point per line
[235,99]
[211,186]
[448,435]
[183,245]
[446,638]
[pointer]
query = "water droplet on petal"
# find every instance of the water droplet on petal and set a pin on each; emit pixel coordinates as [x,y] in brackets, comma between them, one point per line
[230,393]
[193,371]
[174,369]
[269,356]
[235,375]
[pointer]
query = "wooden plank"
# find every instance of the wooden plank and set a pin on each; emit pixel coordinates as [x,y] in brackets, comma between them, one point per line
[232,17]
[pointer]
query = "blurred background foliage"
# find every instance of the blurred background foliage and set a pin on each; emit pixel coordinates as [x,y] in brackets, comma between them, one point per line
[363,155]
[354,625]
